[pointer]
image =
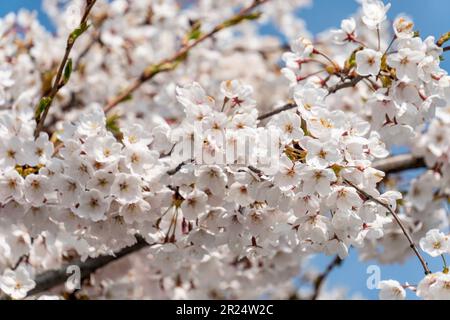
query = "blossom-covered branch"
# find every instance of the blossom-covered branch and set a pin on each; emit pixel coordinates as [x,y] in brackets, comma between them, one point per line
[172,62]
[232,198]
[400,224]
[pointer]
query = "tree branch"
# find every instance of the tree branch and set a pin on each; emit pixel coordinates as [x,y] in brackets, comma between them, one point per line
[318,282]
[344,84]
[287,106]
[50,279]
[399,163]
[172,62]
[59,82]
[399,222]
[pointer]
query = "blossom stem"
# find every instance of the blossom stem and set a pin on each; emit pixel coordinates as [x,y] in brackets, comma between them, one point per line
[445,263]
[172,62]
[378,38]
[399,222]
[327,58]
[390,45]
[59,81]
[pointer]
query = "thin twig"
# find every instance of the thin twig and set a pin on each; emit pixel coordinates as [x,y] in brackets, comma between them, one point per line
[399,222]
[58,83]
[172,62]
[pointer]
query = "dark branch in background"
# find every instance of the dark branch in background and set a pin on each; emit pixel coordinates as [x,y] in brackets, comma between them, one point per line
[286,107]
[345,84]
[399,222]
[171,63]
[64,69]
[399,163]
[291,105]
[50,279]
[318,282]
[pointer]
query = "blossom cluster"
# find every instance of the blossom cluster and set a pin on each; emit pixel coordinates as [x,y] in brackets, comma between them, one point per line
[232,189]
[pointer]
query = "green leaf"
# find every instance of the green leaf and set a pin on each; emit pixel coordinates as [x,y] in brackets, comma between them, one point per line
[77,32]
[112,125]
[195,31]
[67,71]
[351,61]
[43,104]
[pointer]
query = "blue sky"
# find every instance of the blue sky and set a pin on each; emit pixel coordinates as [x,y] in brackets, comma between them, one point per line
[431,17]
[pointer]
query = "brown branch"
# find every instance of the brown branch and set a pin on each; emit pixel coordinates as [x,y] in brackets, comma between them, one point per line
[443,39]
[287,106]
[344,84]
[399,222]
[399,163]
[59,82]
[50,279]
[172,62]
[178,167]
[318,282]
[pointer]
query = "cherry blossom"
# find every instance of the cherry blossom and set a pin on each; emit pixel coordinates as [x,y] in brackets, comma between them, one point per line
[219,157]
[16,283]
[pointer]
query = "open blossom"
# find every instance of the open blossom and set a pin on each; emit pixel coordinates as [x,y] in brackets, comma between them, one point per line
[16,283]
[318,180]
[368,62]
[435,243]
[434,286]
[344,198]
[403,27]
[374,12]
[126,188]
[321,155]
[391,290]
[405,63]
[136,212]
[346,33]
[301,49]
[6,81]
[11,186]
[289,124]
[289,174]
[194,204]
[92,205]
[36,188]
